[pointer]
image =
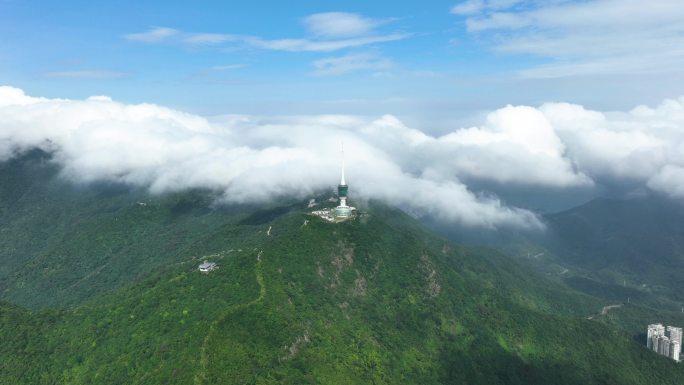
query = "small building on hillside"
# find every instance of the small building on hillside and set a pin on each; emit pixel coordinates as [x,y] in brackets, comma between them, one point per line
[207,266]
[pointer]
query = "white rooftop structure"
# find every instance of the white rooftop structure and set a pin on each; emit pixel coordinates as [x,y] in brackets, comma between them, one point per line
[207,266]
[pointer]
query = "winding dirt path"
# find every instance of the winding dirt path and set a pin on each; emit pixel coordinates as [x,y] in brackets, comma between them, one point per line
[200,376]
[606,309]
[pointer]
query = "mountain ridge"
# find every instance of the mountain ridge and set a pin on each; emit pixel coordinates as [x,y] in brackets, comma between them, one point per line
[374,300]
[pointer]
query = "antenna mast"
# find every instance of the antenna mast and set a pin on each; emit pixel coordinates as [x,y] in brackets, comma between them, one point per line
[342,181]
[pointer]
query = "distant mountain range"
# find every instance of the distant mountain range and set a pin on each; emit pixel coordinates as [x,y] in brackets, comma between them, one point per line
[638,243]
[100,286]
[621,250]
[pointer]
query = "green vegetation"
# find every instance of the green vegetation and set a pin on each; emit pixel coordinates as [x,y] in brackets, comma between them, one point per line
[624,252]
[376,300]
[637,243]
[61,245]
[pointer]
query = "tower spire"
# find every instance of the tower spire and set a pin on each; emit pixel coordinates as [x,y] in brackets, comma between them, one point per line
[342,211]
[342,181]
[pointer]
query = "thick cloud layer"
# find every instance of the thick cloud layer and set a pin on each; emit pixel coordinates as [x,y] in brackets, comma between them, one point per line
[250,159]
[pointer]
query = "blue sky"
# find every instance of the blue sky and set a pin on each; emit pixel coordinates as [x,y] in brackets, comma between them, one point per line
[482,110]
[433,63]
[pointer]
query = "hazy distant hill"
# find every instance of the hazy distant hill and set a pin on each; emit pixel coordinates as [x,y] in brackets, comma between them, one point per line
[377,300]
[622,251]
[636,243]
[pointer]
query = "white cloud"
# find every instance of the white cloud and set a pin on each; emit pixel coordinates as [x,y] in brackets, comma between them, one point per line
[291,45]
[329,31]
[471,7]
[10,96]
[99,98]
[604,37]
[247,158]
[669,180]
[154,35]
[86,74]
[555,146]
[503,4]
[299,45]
[350,63]
[517,145]
[227,67]
[622,147]
[340,24]
[668,62]
[468,7]
[497,21]
[210,38]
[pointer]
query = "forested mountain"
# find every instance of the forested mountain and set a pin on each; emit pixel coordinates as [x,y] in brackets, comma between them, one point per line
[100,286]
[62,244]
[636,243]
[619,250]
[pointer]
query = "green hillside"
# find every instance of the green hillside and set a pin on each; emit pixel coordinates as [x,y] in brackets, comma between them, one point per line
[638,243]
[624,252]
[376,300]
[618,250]
[62,244]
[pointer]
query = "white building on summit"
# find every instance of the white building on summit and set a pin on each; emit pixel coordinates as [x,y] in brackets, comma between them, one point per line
[343,211]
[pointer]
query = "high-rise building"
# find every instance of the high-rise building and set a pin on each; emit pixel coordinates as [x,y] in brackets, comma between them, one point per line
[654,331]
[675,350]
[664,346]
[675,334]
[663,341]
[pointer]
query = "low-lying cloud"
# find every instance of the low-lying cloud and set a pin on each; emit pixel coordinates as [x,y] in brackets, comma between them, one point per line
[252,159]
